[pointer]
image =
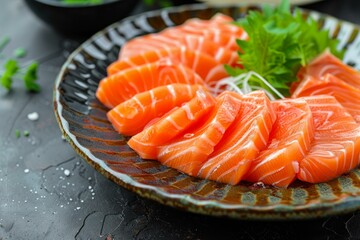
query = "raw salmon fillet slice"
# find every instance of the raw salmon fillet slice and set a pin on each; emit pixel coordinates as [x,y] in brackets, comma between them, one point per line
[171,125]
[218,30]
[131,116]
[336,146]
[189,151]
[243,140]
[203,43]
[164,46]
[205,66]
[200,27]
[123,85]
[289,141]
[347,95]
[328,63]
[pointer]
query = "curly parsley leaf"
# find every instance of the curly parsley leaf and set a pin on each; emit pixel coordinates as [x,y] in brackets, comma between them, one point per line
[3,42]
[279,44]
[19,53]
[160,3]
[11,68]
[76,2]
[30,78]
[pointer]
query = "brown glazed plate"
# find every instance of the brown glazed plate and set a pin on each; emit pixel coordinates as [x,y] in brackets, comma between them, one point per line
[82,119]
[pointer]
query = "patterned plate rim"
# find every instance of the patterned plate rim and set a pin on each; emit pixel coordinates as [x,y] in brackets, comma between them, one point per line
[186,201]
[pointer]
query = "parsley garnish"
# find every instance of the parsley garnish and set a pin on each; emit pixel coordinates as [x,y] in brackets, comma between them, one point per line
[279,44]
[161,3]
[20,53]
[12,70]
[30,78]
[17,133]
[26,133]
[82,1]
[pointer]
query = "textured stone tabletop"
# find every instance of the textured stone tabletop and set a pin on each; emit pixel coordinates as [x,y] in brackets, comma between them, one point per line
[48,192]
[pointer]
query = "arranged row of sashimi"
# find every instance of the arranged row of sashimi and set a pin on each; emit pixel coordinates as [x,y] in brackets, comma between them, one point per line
[157,93]
[241,137]
[328,75]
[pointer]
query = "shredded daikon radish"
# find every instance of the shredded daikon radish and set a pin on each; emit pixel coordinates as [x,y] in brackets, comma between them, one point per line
[234,83]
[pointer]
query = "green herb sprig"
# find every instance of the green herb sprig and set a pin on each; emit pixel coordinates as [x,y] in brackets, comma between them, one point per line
[161,3]
[12,70]
[85,2]
[279,44]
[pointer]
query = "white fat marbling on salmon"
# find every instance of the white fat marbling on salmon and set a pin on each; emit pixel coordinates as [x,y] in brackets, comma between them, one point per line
[272,173]
[335,149]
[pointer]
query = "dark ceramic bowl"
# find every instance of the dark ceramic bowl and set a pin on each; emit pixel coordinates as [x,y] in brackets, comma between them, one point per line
[80,19]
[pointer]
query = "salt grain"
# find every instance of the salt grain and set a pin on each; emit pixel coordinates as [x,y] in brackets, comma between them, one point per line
[33,116]
[26,170]
[67,172]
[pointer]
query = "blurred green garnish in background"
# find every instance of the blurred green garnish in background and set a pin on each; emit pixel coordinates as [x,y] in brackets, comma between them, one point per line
[12,70]
[161,3]
[82,1]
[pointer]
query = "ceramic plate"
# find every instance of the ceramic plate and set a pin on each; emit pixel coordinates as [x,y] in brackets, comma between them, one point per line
[82,118]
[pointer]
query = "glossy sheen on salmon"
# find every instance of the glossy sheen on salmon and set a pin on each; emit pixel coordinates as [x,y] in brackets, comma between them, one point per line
[200,27]
[188,152]
[171,125]
[336,146]
[327,63]
[243,140]
[206,44]
[123,85]
[131,116]
[347,95]
[205,66]
[289,141]
[217,30]
[158,46]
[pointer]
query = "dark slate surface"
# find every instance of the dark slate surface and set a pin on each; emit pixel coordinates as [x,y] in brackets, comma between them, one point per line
[37,199]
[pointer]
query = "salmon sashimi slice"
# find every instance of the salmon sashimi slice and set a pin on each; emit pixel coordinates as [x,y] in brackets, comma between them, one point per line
[289,141]
[205,44]
[242,141]
[123,85]
[198,26]
[151,53]
[347,95]
[336,146]
[202,44]
[218,18]
[189,151]
[218,30]
[174,38]
[149,42]
[131,116]
[328,63]
[205,66]
[171,125]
